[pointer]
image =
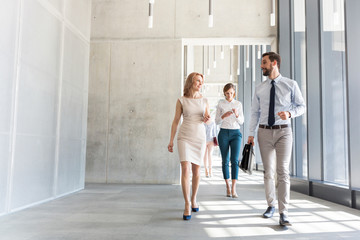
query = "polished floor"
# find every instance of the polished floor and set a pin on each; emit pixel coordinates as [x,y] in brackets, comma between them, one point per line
[114,211]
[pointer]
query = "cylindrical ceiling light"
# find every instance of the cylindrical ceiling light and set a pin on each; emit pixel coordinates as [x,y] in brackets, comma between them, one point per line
[185,59]
[336,13]
[244,63]
[203,60]
[231,48]
[214,63]
[151,11]
[247,56]
[272,15]
[208,60]
[211,16]
[238,68]
[222,52]
[253,63]
[263,51]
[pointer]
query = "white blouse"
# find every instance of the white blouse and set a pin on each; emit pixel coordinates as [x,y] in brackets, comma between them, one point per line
[231,122]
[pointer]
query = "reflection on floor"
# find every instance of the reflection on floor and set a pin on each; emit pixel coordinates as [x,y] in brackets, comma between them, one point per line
[114,211]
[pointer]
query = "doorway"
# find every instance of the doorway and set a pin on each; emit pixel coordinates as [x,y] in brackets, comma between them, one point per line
[222,61]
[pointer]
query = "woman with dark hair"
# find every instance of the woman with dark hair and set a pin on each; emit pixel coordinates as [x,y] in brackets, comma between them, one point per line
[191,139]
[229,115]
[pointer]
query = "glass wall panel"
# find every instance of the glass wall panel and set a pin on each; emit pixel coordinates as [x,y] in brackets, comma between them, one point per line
[334,92]
[300,76]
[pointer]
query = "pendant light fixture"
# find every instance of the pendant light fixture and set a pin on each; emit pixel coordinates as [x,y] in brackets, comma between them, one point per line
[263,50]
[203,61]
[247,56]
[272,15]
[253,63]
[208,60]
[336,13]
[151,11]
[214,63]
[231,50]
[238,68]
[211,16]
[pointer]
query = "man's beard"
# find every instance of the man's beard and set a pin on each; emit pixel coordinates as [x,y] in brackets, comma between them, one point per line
[268,71]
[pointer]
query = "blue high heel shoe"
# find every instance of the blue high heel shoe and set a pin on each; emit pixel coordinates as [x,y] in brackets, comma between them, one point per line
[186,217]
[195,209]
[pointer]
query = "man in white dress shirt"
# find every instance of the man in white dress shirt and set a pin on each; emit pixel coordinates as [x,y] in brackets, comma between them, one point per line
[275,101]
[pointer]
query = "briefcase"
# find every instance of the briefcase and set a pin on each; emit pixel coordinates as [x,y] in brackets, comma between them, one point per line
[248,159]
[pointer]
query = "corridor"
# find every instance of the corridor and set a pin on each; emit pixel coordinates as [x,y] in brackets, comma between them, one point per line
[115,211]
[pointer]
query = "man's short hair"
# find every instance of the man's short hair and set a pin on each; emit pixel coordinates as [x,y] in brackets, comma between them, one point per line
[273,56]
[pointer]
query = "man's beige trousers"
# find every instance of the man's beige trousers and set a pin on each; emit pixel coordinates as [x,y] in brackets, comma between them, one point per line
[275,149]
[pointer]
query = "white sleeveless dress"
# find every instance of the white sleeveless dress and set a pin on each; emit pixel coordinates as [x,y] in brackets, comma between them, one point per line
[191,139]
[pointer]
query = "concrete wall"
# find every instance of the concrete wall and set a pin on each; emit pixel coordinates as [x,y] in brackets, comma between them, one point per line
[44,63]
[136,74]
[131,102]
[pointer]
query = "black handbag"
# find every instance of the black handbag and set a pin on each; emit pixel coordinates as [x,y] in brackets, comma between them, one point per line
[248,159]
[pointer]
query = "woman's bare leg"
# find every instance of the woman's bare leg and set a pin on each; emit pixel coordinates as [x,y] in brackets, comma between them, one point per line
[233,189]
[195,183]
[206,161]
[185,185]
[210,149]
[228,191]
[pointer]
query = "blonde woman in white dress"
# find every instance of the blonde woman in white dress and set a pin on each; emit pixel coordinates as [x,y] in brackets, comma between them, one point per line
[191,140]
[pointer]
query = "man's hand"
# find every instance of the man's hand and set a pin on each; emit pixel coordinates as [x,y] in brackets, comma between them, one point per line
[251,140]
[284,115]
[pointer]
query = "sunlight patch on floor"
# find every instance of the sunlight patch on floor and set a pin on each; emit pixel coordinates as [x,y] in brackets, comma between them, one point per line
[242,231]
[229,207]
[308,205]
[320,227]
[337,216]
[353,224]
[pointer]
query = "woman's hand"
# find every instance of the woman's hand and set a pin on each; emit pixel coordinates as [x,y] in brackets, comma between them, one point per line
[227,114]
[170,147]
[206,118]
[235,111]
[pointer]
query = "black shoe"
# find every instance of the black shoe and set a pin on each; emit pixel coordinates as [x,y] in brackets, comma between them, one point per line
[269,212]
[284,221]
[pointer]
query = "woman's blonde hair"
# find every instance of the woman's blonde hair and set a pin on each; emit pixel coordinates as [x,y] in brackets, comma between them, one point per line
[189,82]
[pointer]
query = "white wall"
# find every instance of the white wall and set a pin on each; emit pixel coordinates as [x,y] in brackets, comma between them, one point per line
[136,74]
[44,52]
